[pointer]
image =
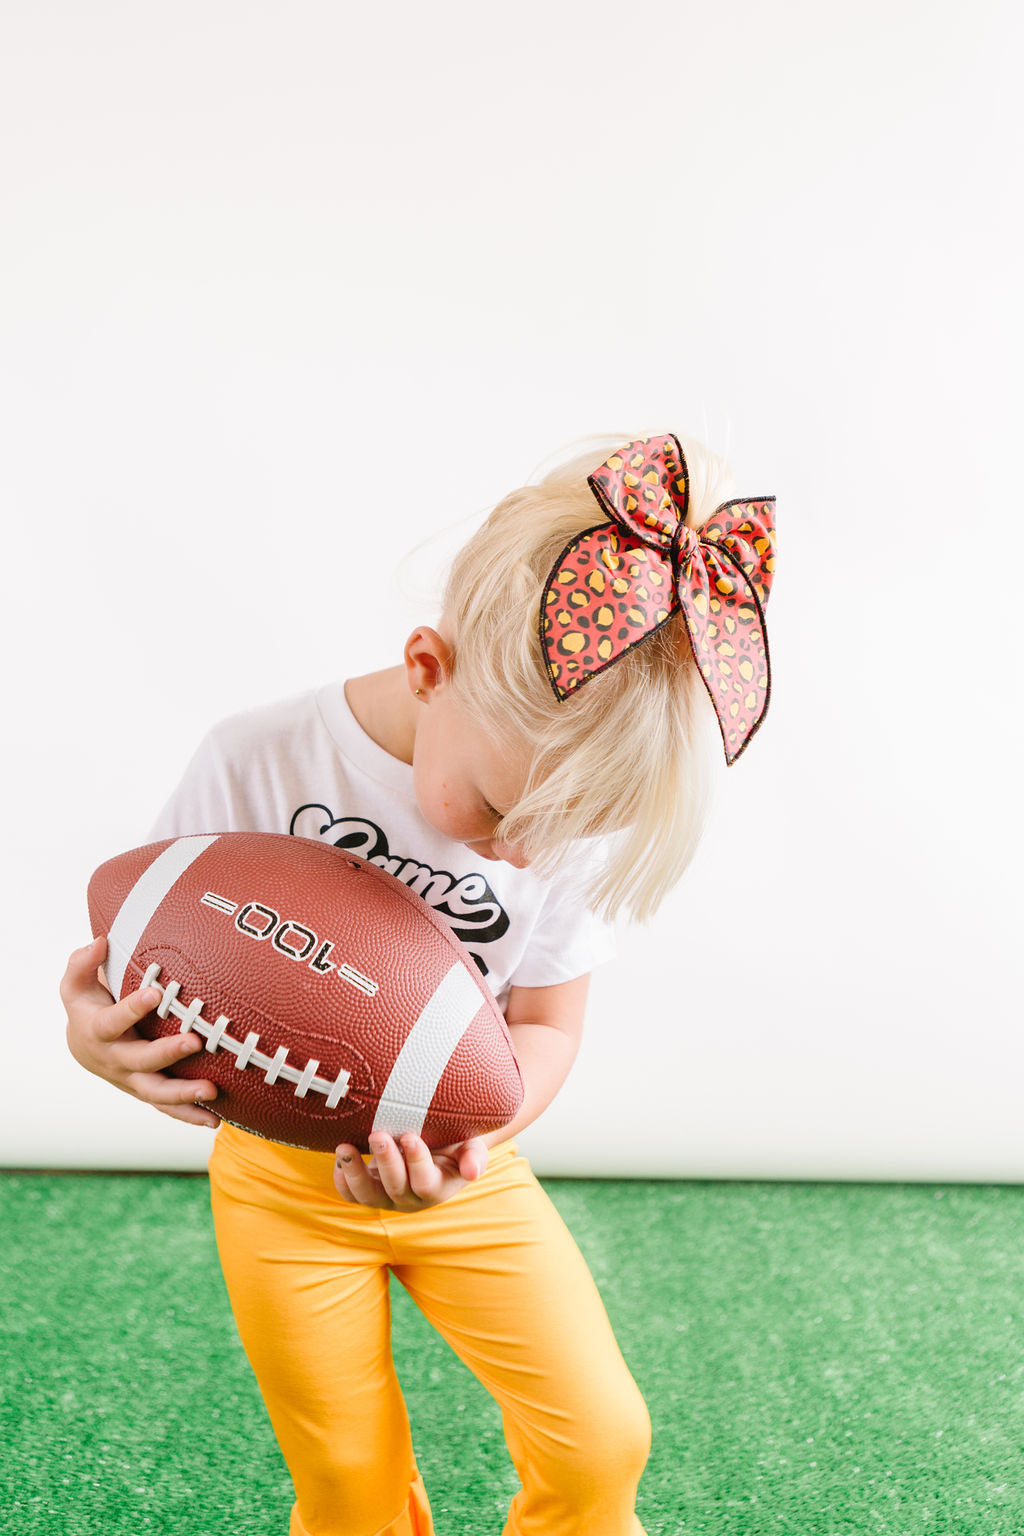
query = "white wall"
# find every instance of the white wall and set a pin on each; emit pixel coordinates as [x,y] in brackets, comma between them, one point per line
[286,287]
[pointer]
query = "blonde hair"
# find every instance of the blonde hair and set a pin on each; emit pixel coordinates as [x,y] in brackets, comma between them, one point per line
[631,756]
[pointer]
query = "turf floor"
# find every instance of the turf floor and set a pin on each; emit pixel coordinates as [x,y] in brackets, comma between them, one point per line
[817,1358]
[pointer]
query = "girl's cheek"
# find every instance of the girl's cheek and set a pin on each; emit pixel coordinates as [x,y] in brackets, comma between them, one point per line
[445,813]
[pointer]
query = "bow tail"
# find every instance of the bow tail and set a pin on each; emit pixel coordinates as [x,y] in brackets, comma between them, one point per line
[727,632]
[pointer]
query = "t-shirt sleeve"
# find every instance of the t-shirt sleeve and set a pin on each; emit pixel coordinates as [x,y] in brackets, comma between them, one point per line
[568,941]
[203,800]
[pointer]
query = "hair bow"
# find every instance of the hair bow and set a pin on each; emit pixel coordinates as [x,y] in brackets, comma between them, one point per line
[616,584]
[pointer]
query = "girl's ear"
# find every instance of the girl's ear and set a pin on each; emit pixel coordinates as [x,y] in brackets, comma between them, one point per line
[428,661]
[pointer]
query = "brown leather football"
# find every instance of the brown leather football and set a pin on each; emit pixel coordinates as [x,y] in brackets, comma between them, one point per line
[333,1000]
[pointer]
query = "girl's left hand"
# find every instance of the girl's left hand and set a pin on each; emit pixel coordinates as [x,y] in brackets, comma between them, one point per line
[420,1178]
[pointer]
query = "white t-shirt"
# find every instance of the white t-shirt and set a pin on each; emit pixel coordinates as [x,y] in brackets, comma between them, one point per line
[306,766]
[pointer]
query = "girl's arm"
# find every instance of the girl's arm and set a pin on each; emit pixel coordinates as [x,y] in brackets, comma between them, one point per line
[546,1025]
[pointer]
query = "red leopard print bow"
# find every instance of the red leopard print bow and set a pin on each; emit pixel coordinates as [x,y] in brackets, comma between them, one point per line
[618,583]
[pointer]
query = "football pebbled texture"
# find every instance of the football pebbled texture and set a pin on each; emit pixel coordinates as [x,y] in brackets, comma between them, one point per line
[333,1000]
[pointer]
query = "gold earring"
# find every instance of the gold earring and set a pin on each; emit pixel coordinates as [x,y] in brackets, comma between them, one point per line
[418,692]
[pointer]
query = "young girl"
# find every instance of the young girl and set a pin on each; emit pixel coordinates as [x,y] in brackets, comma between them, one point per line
[538,762]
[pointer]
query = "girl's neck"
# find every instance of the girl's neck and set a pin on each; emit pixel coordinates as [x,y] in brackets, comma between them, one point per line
[386,710]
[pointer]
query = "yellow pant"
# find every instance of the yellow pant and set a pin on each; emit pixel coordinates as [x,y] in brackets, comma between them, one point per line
[496,1272]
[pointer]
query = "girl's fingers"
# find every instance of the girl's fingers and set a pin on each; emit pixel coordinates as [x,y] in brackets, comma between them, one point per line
[352,1180]
[138,1055]
[111,1022]
[391,1167]
[402,1178]
[79,979]
[423,1173]
[159,1090]
[471,1157]
[190,1113]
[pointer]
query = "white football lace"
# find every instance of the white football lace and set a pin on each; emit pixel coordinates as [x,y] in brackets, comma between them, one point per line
[246,1052]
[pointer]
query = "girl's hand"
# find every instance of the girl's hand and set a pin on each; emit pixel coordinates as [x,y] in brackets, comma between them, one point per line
[420,1178]
[102,1038]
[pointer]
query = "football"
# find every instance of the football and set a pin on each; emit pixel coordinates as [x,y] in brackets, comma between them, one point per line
[332,999]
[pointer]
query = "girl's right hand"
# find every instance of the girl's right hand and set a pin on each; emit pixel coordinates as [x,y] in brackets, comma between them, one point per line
[102,1038]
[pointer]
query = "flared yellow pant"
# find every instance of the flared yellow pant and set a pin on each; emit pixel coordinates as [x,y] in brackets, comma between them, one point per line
[496,1272]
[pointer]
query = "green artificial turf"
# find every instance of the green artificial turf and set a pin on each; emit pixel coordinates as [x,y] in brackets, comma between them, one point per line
[818,1359]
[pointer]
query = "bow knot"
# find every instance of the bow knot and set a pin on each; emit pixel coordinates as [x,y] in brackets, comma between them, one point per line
[685,543]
